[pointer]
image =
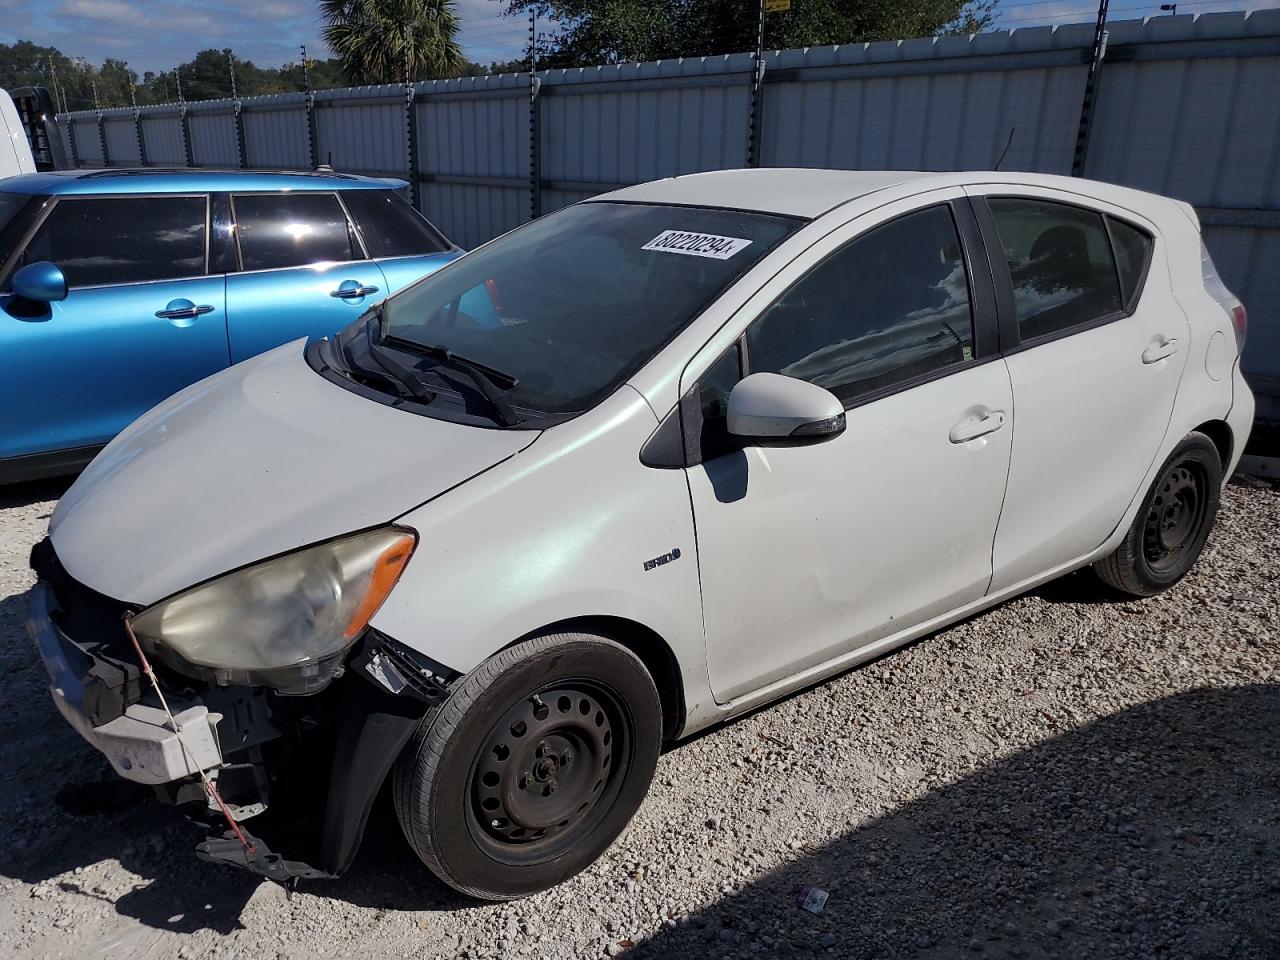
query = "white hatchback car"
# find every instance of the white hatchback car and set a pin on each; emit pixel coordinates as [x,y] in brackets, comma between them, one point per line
[628,471]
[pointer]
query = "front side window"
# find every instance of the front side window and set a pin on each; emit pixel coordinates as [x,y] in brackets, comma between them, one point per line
[292,230]
[1060,263]
[112,240]
[390,226]
[572,304]
[888,307]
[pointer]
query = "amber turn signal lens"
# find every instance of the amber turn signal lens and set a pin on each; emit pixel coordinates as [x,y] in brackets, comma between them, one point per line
[386,573]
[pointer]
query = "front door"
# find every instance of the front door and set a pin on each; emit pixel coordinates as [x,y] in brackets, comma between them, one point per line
[808,552]
[1095,366]
[304,271]
[141,321]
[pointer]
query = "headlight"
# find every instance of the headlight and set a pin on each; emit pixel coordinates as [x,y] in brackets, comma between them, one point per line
[279,621]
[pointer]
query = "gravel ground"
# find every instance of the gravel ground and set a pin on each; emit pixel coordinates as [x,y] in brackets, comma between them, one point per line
[1068,775]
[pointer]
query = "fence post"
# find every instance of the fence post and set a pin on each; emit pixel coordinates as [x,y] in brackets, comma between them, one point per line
[71,139]
[186,134]
[1090,91]
[757,93]
[411,143]
[241,152]
[137,128]
[535,122]
[102,132]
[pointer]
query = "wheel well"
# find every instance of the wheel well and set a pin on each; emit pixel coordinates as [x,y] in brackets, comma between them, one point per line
[653,651]
[1220,433]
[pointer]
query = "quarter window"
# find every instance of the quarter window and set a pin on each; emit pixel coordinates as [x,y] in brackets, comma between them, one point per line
[888,307]
[111,240]
[391,227]
[1133,251]
[292,230]
[1060,263]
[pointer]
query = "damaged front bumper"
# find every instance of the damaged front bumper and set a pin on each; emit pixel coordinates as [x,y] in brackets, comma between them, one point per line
[140,744]
[312,765]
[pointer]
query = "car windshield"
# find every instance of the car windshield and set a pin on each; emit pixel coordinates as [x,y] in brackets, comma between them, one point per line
[11,204]
[571,305]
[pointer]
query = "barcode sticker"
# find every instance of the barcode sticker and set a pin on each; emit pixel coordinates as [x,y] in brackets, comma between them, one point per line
[696,244]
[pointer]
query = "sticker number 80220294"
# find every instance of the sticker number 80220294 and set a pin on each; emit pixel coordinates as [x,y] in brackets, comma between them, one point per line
[696,244]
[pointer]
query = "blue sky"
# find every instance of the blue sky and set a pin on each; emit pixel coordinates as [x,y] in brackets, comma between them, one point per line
[156,34]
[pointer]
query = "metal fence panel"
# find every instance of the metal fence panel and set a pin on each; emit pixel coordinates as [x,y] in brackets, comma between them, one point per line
[1185,105]
[212,128]
[122,138]
[162,134]
[275,131]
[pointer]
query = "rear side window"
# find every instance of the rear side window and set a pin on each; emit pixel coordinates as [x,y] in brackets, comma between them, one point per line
[1060,263]
[111,240]
[390,226]
[1133,253]
[888,307]
[292,230]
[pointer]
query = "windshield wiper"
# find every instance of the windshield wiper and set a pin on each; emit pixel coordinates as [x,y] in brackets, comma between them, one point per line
[396,372]
[492,383]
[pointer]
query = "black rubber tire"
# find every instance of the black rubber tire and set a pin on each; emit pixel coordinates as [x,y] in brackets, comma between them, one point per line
[1129,568]
[434,778]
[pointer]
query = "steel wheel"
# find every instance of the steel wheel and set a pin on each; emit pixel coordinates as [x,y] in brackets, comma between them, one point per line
[554,759]
[1174,517]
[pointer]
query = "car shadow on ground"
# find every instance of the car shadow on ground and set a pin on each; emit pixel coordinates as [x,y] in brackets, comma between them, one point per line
[1151,832]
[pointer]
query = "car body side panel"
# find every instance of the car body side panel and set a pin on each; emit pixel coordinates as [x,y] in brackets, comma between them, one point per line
[562,531]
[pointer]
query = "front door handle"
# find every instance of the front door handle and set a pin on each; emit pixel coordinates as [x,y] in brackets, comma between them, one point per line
[1160,350]
[183,310]
[979,424]
[352,290]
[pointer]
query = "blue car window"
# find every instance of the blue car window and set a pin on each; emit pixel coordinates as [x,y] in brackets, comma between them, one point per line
[390,226]
[112,240]
[292,230]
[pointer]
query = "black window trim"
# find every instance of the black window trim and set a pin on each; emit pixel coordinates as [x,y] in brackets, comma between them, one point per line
[1130,303]
[1011,342]
[55,199]
[984,306]
[352,229]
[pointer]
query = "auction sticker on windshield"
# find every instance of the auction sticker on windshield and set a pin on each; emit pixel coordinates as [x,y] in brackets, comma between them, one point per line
[696,244]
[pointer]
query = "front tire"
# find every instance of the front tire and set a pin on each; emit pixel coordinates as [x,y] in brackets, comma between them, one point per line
[532,767]
[1171,527]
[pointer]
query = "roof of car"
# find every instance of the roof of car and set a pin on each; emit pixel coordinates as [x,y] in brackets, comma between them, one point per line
[182,180]
[797,192]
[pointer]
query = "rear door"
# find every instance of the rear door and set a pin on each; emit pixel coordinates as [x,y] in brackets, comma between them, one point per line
[405,244]
[1095,354]
[142,319]
[303,271]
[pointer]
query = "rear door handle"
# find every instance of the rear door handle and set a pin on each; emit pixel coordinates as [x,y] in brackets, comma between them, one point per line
[978,425]
[1160,350]
[353,292]
[183,310]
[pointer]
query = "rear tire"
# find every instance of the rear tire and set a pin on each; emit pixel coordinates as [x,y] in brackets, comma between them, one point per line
[1166,537]
[532,767]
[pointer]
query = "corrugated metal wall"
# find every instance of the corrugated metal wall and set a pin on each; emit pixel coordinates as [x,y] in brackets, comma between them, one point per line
[1187,105]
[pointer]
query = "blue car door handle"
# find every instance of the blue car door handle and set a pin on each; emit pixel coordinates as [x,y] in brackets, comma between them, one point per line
[352,290]
[183,310]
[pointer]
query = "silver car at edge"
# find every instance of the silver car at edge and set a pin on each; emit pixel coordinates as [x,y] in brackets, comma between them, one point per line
[625,472]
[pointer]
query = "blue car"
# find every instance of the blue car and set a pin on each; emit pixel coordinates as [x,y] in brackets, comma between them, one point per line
[121,287]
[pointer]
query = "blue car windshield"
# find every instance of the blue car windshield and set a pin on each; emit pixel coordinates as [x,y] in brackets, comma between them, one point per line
[11,204]
[571,305]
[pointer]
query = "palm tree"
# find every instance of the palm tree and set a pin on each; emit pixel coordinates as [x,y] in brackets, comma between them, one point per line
[377,39]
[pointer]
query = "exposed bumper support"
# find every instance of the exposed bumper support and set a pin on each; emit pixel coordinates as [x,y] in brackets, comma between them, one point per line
[141,745]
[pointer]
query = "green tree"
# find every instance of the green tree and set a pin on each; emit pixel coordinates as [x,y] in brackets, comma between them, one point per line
[588,32]
[374,38]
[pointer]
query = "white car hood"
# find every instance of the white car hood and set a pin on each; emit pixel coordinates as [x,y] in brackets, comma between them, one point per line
[254,461]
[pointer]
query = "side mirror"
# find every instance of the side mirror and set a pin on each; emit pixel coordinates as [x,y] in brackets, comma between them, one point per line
[768,407]
[42,282]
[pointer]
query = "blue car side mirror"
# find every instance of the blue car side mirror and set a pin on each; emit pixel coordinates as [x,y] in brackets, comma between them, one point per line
[43,282]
